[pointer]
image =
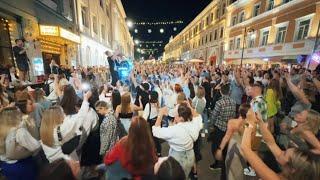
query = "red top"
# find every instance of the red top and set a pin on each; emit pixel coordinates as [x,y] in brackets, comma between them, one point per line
[118,152]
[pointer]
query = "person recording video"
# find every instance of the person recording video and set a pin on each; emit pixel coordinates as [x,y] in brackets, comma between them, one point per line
[20,54]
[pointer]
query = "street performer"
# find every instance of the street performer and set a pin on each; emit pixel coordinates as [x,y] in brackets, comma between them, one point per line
[113,63]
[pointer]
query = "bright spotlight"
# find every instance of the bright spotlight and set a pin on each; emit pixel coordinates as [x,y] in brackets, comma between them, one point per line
[161,30]
[129,24]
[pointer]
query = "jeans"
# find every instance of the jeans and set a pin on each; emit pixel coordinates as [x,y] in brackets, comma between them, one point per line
[205,119]
[126,122]
[155,140]
[185,158]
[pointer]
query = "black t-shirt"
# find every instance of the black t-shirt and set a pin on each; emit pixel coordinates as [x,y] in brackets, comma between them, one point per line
[111,64]
[20,58]
[207,88]
[144,97]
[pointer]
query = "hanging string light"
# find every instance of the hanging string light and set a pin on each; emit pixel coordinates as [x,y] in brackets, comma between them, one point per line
[158,23]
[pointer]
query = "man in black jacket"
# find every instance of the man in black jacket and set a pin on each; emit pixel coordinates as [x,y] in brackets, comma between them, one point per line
[113,63]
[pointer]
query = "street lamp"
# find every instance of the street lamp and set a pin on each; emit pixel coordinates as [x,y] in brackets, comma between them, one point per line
[129,24]
[244,39]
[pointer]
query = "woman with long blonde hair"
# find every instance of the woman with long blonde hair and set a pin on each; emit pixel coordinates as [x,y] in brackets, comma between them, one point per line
[126,110]
[16,146]
[57,128]
[308,123]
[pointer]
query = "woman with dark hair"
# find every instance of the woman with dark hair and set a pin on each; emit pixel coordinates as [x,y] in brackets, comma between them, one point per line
[191,89]
[115,99]
[168,168]
[150,113]
[135,152]
[182,135]
[69,100]
[59,169]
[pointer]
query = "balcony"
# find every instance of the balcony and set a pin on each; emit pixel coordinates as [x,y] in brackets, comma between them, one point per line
[303,47]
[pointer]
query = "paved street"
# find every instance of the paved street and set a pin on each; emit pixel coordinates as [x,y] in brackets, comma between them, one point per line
[203,168]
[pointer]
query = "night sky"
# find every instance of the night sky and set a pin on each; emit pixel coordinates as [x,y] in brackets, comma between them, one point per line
[160,10]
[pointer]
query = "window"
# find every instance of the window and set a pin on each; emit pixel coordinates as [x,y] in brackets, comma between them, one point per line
[101,3]
[286,1]
[231,45]
[206,39]
[238,41]
[241,17]
[221,32]
[281,34]
[211,17]
[107,11]
[303,29]
[94,24]
[251,40]
[217,13]
[223,9]
[234,20]
[84,15]
[264,37]
[53,4]
[210,37]
[215,34]
[190,34]
[270,4]
[103,31]
[256,10]
[207,21]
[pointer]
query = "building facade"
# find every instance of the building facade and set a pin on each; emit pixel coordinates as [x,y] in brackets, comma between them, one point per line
[203,38]
[49,30]
[271,31]
[72,32]
[95,31]
[266,31]
[121,37]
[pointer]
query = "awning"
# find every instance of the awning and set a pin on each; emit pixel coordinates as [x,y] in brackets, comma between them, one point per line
[250,61]
[56,31]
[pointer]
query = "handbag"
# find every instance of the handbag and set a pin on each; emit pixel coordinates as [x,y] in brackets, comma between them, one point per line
[121,131]
[74,143]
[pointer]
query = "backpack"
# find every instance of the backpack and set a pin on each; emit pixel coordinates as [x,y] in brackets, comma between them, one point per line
[46,88]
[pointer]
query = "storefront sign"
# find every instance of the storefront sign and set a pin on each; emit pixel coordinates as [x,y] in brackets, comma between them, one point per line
[69,35]
[59,31]
[49,30]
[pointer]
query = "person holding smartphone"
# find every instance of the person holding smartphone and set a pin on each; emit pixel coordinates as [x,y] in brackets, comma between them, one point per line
[20,54]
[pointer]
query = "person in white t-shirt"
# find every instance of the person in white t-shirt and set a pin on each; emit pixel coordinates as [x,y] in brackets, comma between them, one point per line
[180,136]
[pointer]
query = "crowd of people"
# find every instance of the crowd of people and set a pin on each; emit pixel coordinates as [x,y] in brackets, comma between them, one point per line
[87,125]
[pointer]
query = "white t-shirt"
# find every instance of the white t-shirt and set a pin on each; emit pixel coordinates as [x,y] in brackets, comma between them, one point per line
[181,136]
